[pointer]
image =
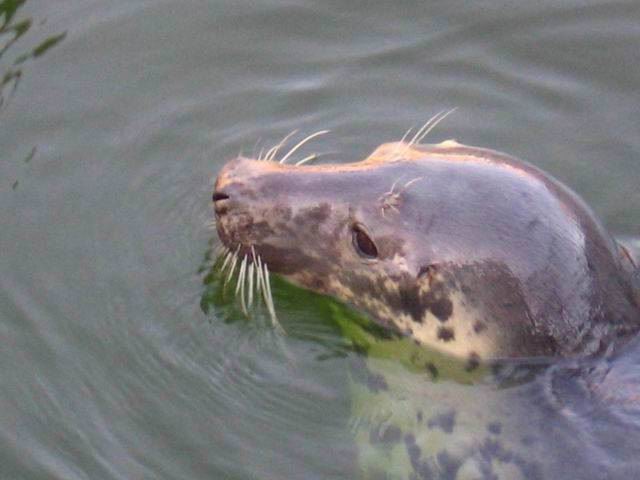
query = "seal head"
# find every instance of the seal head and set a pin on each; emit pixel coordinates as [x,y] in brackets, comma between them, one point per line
[467,250]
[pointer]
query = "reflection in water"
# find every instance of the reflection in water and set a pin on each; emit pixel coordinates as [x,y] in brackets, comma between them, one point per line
[415,414]
[11,30]
[26,159]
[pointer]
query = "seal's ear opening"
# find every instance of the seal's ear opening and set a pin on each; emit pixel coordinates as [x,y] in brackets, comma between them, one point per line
[364,246]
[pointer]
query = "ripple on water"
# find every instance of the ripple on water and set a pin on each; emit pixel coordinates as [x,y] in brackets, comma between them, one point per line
[113,133]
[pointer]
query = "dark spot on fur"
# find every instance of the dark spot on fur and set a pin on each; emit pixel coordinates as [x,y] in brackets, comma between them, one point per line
[493,449]
[495,428]
[433,370]
[388,434]
[410,301]
[446,334]
[361,374]
[412,448]
[421,469]
[424,270]
[363,286]
[442,308]
[436,299]
[376,382]
[445,421]
[448,464]
[427,271]
[419,416]
[479,326]
[473,362]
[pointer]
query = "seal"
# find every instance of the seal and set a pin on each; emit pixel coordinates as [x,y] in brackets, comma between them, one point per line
[468,251]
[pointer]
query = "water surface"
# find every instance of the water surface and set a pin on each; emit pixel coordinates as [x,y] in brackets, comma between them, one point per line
[116,115]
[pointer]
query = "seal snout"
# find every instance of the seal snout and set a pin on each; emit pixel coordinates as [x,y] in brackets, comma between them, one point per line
[226,188]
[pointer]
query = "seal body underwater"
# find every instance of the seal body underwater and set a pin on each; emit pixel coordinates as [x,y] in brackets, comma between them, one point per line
[466,250]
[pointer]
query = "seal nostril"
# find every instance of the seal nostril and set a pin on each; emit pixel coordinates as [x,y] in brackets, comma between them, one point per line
[220,196]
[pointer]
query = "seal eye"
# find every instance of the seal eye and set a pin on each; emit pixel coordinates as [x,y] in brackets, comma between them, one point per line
[363,243]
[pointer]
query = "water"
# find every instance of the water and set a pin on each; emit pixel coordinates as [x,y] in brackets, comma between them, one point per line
[116,115]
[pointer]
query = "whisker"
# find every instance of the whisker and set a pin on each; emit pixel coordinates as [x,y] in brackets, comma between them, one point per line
[256,262]
[409,183]
[260,154]
[270,307]
[400,148]
[222,256]
[227,258]
[255,146]
[268,154]
[263,288]
[311,157]
[271,153]
[232,267]
[243,287]
[404,137]
[393,187]
[267,285]
[425,127]
[250,279]
[240,284]
[316,156]
[259,280]
[435,124]
[302,142]
[240,270]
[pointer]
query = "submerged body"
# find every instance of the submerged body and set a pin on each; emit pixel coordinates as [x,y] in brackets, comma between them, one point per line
[468,251]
